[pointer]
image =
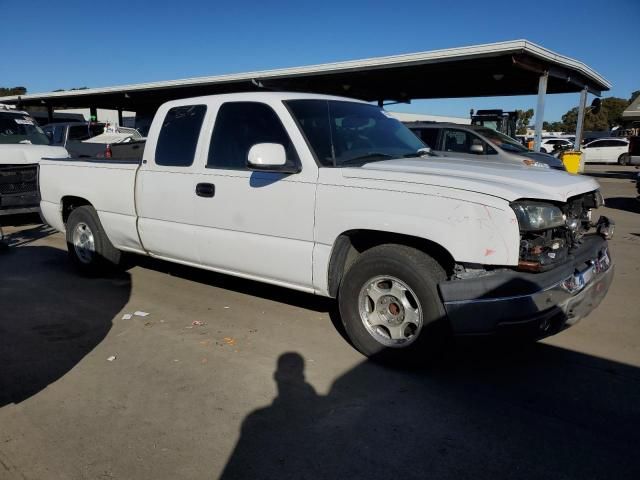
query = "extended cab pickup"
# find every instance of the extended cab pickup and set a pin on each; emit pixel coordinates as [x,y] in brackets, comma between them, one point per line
[334,197]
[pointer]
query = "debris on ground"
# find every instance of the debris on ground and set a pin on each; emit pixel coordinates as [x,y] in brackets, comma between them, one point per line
[227,307]
[139,313]
[197,323]
[111,358]
[229,341]
[148,324]
[126,316]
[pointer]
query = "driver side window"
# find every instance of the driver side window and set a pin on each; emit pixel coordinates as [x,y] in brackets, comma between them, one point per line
[241,125]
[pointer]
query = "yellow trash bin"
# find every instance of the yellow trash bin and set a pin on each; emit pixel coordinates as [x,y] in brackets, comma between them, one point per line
[571,160]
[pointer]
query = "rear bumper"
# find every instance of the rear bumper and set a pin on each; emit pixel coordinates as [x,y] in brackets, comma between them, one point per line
[537,303]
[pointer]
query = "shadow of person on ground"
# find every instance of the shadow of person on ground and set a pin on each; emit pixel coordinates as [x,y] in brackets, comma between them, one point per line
[260,453]
[484,412]
[50,318]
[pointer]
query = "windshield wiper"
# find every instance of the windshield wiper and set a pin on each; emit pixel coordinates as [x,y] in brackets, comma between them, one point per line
[368,156]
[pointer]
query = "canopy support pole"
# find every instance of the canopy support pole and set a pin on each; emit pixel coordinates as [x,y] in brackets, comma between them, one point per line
[542,93]
[580,125]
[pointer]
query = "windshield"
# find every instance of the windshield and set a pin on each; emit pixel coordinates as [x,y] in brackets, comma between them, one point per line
[342,133]
[20,128]
[501,140]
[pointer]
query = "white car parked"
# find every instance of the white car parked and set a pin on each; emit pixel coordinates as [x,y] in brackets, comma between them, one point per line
[548,144]
[606,150]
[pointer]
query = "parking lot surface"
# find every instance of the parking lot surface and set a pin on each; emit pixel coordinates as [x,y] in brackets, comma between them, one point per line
[227,378]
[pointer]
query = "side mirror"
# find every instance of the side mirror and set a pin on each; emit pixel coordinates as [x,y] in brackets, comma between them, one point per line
[477,148]
[269,157]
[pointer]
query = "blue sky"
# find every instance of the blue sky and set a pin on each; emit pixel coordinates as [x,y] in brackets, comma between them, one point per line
[50,45]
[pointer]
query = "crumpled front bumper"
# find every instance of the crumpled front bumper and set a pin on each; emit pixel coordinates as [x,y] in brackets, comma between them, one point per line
[536,303]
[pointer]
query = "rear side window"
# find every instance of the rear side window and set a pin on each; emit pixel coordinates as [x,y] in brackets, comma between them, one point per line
[79,132]
[428,135]
[241,125]
[613,143]
[179,136]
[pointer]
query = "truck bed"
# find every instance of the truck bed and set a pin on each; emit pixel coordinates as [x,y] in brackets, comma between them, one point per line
[108,184]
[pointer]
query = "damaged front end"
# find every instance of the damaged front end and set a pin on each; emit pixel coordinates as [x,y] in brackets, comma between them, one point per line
[551,232]
[564,271]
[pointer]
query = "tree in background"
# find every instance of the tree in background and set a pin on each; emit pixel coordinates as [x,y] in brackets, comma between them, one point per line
[554,126]
[613,108]
[609,116]
[7,92]
[524,116]
[634,95]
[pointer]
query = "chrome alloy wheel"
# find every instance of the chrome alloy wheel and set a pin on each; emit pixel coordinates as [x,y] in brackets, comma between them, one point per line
[390,311]
[84,243]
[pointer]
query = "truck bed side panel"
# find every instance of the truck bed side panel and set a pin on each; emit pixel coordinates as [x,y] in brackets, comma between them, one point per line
[109,187]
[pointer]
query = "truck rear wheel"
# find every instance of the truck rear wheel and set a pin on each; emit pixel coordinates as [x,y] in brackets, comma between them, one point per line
[87,244]
[389,302]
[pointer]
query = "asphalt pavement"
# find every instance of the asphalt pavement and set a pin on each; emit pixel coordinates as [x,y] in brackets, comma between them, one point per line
[227,378]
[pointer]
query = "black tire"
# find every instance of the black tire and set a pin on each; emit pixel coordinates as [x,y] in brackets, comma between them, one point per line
[103,256]
[623,159]
[416,270]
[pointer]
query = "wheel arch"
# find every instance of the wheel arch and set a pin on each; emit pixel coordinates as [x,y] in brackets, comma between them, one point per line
[352,243]
[69,203]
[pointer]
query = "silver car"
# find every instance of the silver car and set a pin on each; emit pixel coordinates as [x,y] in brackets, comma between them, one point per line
[474,141]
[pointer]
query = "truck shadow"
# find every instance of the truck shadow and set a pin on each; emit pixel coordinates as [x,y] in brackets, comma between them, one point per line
[500,407]
[620,174]
[50,318]
[237,284]
[627,204]
[484,412]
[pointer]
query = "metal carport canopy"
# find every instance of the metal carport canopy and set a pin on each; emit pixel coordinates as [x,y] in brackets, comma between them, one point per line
[497,69]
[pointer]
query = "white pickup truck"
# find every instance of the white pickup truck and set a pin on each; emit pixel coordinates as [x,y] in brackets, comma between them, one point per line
[334,197]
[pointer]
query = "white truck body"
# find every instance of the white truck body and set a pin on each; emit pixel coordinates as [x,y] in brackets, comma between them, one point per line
[283,228]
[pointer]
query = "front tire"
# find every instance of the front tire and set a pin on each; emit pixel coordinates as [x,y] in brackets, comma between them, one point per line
[88,246]
[389,302]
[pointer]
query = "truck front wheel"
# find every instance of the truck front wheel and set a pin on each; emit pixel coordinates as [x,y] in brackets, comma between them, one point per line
[389,302]
[88,246]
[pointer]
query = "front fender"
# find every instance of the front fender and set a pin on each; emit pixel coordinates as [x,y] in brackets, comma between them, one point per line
[472,232]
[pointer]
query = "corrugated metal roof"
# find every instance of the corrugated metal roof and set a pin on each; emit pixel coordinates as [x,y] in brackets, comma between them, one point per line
[527,55]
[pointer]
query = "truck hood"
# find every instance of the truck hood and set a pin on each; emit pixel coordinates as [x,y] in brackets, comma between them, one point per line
[25,153]
[507,181]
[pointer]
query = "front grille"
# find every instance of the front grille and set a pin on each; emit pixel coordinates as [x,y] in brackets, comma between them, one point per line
[18,186]
[18,179]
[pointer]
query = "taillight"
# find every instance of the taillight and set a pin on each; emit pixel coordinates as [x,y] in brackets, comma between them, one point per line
[107,152]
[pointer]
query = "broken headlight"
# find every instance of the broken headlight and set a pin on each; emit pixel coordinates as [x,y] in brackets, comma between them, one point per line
[535,216]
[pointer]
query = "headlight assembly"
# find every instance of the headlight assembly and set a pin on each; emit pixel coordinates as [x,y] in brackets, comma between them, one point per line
[533,216]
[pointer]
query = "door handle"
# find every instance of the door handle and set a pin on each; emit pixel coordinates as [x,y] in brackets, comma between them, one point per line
[205,189]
